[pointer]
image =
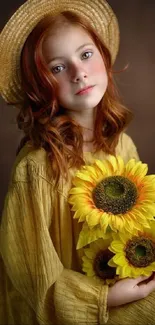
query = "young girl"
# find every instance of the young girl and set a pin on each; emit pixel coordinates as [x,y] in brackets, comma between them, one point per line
[56,67]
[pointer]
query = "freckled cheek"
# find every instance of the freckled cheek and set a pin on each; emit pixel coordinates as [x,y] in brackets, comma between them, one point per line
[98,68]
[64,88]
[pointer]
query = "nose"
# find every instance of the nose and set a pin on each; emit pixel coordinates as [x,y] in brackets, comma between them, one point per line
[78,73]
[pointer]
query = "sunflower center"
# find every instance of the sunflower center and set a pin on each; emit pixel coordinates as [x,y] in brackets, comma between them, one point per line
[115,194]
[113,189]
[140,252]
[101,267]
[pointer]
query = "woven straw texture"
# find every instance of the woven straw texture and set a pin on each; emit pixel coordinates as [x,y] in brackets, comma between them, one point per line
[20,25]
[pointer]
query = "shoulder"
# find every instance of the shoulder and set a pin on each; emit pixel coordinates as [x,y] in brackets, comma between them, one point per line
[126,147]
[125,140]
[31,163]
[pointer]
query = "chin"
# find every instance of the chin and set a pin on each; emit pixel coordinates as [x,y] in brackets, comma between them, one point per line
[84,104]
[93,103]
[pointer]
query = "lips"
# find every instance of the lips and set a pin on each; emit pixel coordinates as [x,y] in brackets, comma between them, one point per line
[84,90]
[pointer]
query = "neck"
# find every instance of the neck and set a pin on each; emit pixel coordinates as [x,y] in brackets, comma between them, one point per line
[86,120]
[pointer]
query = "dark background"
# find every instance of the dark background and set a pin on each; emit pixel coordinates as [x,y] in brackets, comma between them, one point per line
[136,84]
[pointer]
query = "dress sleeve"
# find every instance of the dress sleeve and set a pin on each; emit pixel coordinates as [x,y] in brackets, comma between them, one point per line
[55,294]
[140,312]
[127,148]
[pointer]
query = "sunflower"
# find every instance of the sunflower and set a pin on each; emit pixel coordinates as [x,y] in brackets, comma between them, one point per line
[134,253]
[111,194]
[95,262]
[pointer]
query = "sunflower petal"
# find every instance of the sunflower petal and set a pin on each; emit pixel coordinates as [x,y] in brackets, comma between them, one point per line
[117,246]
[114,163]
[111,263]
[92,171]
[79,190]
[124,272]
[93,218]
[136,168]
[84,176]
[77,182]
[149,179]
[89,253]
[104,221]
[90,273]
[129,166]
[83,207]
[120,163]
[119,259]
[103,167]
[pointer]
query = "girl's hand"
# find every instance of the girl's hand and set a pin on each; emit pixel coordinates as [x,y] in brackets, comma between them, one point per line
[129,289]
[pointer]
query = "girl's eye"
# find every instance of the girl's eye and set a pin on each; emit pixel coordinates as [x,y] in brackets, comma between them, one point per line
[87,54]
[57,69]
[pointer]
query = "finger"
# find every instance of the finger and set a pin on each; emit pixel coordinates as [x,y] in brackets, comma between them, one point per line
[141,278]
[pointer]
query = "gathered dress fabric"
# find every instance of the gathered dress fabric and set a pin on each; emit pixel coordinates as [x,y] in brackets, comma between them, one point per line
[41,278]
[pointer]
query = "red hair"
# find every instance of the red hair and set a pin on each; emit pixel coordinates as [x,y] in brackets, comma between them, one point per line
[44,122]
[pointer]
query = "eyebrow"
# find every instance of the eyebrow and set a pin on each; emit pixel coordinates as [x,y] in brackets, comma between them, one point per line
[79,48]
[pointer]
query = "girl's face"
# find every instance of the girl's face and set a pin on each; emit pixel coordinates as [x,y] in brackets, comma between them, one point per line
[76,63]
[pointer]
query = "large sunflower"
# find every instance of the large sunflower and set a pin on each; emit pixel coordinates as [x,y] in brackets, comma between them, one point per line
[95,261]
[110,193]
[134,253]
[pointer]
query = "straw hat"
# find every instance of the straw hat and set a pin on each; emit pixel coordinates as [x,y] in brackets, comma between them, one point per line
[17,29]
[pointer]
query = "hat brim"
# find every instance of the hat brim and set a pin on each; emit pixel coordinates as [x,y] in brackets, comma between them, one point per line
[13,36]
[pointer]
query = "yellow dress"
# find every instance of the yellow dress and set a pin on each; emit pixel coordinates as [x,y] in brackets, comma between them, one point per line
[41,281]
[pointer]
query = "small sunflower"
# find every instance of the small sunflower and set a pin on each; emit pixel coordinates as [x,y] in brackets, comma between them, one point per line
[134,253]
[111,194]
[95,261]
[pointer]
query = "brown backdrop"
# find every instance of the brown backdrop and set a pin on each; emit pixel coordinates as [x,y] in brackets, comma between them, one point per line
[137,84]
